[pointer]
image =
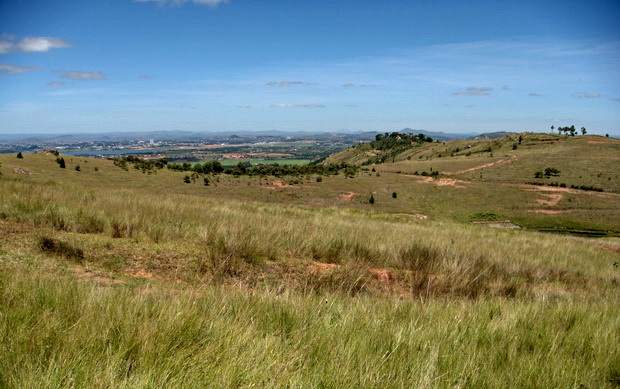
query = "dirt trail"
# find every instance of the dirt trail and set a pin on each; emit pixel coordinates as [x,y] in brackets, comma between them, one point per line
[20,170]
[347,196]
[549,211]
[553,200]
[418,216]
[440,182]
[485,165]
[276,184]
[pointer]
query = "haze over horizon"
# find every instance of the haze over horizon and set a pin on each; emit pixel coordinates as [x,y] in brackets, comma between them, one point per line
[234,65]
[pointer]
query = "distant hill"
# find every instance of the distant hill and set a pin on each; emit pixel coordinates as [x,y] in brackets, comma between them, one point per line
[492,135]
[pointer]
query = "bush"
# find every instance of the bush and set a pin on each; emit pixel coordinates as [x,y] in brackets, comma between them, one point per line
[394,195]
[77,168]
[56,247]
[186,179]
[19,155]
[61,162]
[371,200]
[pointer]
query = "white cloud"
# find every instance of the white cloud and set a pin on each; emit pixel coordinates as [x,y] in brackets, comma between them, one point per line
[285,83]
[30,44]
[11,69]
[534,95]
[484,91]
[210,3]
[40,44]
[297,106]
[55,83]
[78,75]
[587,95]
[5,46]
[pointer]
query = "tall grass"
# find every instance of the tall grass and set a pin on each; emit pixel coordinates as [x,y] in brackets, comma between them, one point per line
[59,332]
[231,239]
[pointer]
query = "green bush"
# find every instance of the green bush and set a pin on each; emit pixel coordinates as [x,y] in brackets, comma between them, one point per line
[56,247]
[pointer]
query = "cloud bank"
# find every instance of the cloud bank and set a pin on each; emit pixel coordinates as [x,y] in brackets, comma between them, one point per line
[31,44]
[77,75]
[484,91]
[285,83]
[297,106]
[11,69]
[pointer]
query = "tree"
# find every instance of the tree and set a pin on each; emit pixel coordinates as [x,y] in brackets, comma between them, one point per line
[186,179]
[583,131]
[19,155]
[552,127]
[61,162]
[206,181]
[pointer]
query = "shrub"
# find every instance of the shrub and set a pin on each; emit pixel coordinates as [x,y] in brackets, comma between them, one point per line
[551,171]
[394,195]
[56,247]
[371,200]
[319,179]
[19,155]
[77,168]
[61,162]
[206,181]
[186,179]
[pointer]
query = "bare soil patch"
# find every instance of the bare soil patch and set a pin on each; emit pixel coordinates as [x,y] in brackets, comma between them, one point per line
[418,216]
[20,170]
[451,182]
[348,196]
[485,165]
[553,200]
[276,184]
[549,211]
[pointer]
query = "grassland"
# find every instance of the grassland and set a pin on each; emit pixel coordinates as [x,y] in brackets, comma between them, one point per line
[113,278]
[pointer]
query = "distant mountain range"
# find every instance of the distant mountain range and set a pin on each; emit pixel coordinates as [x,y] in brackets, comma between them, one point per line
[197,136]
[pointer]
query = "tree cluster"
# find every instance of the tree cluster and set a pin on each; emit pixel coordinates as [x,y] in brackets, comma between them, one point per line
[392,144]
[276,170]
[570,130]
[146,165]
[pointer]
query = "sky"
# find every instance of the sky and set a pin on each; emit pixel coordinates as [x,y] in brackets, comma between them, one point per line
[84,66]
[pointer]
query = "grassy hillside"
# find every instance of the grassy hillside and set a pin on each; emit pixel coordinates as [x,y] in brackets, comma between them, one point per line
[114,278]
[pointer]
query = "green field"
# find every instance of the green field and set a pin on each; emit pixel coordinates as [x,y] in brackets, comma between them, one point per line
[114,278]
[234,162]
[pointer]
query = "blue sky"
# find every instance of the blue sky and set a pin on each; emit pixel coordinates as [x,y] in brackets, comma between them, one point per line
[213,65]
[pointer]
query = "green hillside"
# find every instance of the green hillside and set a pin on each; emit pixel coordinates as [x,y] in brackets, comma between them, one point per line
[123,278]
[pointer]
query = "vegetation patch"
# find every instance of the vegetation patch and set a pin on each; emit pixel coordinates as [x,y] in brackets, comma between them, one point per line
[56,247]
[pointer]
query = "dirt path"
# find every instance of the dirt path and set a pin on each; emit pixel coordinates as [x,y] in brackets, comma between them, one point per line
[553,200]
[347,196]
[485,165]
[439,182]
[276,184]
[549,211]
